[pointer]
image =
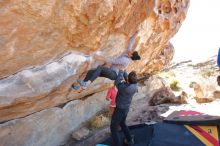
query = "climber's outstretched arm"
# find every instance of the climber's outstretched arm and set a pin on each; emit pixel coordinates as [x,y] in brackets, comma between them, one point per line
[100,58]
[131,41]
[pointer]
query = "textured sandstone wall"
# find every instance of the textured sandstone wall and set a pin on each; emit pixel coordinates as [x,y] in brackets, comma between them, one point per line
[50,127]
[45,45]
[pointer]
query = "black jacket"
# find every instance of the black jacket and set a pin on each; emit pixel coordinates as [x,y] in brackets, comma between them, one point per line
[125,93]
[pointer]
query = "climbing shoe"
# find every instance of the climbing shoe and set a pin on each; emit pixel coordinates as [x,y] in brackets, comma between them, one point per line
[83,84]
[77,88]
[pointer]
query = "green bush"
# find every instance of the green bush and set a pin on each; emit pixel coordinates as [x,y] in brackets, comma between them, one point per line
[174,85]
[207,73]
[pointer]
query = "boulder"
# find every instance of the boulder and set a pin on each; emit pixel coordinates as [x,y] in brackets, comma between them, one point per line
[47,45]
[163,95]
[200,95]
[80,134]
[51,127]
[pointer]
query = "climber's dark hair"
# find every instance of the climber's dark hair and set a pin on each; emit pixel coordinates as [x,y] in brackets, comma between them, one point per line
[218,78]
[132,77]
[135,56]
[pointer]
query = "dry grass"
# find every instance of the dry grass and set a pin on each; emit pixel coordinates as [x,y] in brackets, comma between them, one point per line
[174,85]
[99,121]
[207,73]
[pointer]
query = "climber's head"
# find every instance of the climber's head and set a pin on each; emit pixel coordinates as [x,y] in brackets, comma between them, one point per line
[218,80]
[134,55]
[132,77]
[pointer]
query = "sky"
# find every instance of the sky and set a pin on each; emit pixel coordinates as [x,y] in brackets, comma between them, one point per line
[199,36]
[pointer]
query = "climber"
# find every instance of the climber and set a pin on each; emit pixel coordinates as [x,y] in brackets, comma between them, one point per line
[118,63]
[126,91]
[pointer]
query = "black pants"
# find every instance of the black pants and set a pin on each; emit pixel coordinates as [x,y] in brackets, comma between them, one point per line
[118,118]
[100,71]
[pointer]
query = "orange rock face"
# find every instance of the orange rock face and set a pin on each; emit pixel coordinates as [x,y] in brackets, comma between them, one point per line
[46,45]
